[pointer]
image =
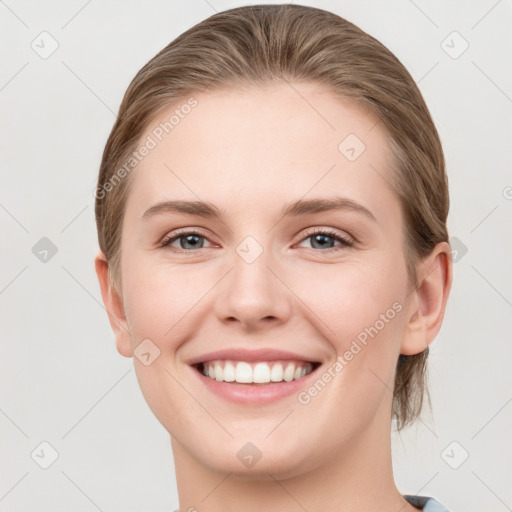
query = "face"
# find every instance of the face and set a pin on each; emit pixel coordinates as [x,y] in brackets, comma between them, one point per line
[291,280]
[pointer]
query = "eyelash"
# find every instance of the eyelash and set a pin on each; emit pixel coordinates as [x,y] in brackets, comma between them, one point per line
[345,242]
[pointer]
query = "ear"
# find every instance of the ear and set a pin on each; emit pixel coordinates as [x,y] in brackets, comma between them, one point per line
[114,306]
[427,302]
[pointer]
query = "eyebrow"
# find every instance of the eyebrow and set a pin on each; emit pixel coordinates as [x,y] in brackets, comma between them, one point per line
[294,209]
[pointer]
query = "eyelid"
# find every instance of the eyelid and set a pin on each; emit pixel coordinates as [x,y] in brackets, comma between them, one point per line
[346,242]
[173,235]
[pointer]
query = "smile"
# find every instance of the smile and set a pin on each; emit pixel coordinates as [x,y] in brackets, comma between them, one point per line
[254,377]
[261,372]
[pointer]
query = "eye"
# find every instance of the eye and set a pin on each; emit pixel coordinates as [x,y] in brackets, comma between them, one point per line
[188,240]
[322,238]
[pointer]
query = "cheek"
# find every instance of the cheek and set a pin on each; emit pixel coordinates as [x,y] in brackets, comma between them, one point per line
[354,297]
[160,300]
[366,315]
[361,308]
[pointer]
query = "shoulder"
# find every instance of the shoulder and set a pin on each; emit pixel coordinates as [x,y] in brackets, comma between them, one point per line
[426,503]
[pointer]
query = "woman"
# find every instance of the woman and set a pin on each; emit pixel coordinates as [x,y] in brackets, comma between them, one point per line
[271,211]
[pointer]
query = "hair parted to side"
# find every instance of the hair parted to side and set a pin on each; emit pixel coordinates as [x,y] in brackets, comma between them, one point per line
[260,44]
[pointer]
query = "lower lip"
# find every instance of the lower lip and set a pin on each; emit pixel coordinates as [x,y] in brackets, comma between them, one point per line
[255,394]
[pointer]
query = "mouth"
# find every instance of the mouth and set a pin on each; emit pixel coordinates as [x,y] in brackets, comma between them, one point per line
[261,373]
[255,383]
[253,377]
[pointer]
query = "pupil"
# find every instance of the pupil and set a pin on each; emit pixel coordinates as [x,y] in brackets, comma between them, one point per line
[189,240]
[321,239]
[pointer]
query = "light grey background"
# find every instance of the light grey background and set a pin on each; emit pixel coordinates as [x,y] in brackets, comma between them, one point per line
[62,380]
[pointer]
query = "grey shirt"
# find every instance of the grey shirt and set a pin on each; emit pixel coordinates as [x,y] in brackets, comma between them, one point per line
[426,503]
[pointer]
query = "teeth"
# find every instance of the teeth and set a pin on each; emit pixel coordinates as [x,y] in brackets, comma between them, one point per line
[276,374]
[289,372]
[261,373]
[219,373]
[243,373]
[257,373]
[229,372]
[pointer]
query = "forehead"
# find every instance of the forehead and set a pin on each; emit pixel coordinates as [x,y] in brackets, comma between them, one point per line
[259,146]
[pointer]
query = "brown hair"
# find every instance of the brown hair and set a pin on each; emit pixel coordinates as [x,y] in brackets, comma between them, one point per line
[262,43]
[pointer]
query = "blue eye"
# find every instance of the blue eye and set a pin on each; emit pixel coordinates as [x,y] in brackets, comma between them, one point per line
[188,240]
[324,239]
[321,238]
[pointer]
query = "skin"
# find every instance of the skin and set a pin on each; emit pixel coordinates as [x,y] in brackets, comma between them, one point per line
[251,151]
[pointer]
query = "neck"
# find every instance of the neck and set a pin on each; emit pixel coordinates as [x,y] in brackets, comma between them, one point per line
[357,478]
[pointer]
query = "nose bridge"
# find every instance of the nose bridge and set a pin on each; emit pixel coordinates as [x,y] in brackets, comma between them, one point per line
[251,278]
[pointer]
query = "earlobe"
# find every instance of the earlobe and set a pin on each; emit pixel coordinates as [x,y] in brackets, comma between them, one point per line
[114,306]
[427,302]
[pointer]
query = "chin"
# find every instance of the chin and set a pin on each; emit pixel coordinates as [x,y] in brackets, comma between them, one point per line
[259,460]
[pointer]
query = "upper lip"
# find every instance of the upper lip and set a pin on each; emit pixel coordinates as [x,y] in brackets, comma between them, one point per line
[243,354]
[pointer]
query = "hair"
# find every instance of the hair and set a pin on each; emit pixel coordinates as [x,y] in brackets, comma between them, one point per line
[261,44]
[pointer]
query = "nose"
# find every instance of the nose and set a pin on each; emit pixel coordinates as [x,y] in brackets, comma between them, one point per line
[253,294]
